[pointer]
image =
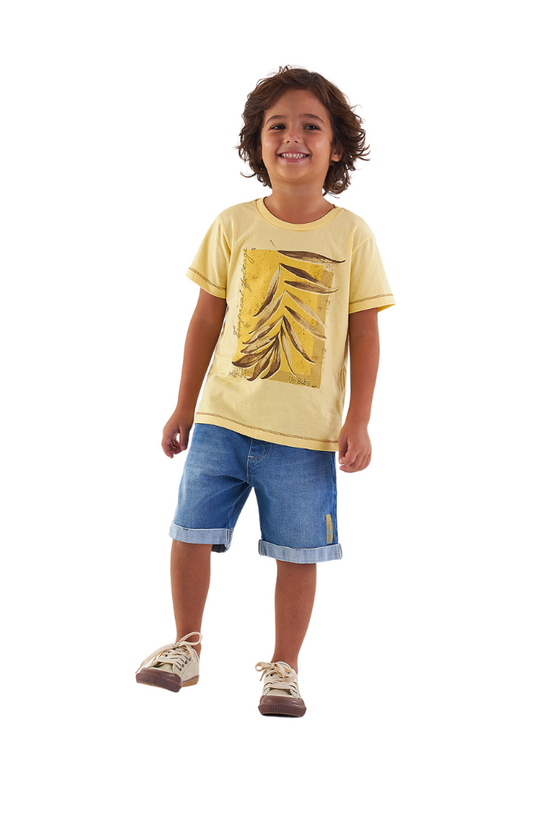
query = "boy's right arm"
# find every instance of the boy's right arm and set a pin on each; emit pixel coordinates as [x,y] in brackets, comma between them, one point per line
[202,336]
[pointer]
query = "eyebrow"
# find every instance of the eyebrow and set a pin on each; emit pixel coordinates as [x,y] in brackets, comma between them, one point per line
[304,116]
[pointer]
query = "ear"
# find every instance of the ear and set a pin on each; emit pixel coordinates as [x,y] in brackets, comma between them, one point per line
[337,153]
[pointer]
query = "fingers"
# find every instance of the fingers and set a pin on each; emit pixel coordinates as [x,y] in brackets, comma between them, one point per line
[356,467]
[353,461]
[170,447]
[175,441]
[183,438]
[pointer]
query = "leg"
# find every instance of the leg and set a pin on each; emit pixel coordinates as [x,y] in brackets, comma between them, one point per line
[190,573]
[294,598]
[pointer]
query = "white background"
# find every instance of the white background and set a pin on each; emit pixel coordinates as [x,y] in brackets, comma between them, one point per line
[119,126]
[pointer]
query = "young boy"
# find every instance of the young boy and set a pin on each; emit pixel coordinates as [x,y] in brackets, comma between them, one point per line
[288,284]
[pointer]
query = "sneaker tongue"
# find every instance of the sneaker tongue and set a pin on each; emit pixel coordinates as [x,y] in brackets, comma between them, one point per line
[165,667]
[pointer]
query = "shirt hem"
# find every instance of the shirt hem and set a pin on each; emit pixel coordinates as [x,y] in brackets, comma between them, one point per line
[384,300]
[287,439]
[200,280]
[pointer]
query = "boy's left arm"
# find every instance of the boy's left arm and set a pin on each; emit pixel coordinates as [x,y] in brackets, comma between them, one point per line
[355,449]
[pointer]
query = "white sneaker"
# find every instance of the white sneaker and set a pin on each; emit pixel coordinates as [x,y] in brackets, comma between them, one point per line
[281,695]
[172,666]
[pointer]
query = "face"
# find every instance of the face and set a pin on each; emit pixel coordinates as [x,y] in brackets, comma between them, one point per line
[296,140]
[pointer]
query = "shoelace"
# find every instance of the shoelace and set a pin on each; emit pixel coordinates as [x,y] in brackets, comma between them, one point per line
[176,654]
[279,676]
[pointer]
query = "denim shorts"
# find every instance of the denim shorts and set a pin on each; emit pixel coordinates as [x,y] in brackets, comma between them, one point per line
[296,495]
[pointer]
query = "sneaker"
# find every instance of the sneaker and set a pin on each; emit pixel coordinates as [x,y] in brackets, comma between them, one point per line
[172,666]
[281,695]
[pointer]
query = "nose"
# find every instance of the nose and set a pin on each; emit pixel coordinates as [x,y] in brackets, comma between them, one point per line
[292,135]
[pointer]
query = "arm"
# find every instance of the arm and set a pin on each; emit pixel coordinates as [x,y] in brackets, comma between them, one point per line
[355,449]
[202,336]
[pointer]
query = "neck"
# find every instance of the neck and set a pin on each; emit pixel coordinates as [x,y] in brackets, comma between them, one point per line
[297,207]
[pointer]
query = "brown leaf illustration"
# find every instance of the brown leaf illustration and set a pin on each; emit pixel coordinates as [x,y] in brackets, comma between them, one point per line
[302,274]
[295,340]
[264,332]
[275,362]
[305,324]
[247,361]
[272,288]
[273,340]
[310,312]
[258,369]
[286,348]
[251,359]
[268,364]
[256,346]
[316,288]
[268,313]
[306,256]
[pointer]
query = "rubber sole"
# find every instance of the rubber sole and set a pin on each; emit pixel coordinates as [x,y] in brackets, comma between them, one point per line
[282,706]
[164,680]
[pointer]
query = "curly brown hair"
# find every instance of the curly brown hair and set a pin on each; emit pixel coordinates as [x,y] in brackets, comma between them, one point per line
[348,134]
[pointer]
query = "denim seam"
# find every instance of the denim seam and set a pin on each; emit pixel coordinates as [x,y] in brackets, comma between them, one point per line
[237,501]
[253,461]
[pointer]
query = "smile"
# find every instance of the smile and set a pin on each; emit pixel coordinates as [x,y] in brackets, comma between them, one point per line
[293,155]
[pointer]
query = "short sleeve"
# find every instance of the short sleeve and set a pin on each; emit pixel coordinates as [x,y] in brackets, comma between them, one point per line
[369,286]
[209,268]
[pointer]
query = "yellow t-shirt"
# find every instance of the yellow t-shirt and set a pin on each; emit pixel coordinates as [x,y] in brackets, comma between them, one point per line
[279,369]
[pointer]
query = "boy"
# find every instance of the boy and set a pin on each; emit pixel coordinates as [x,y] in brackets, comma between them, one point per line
[288,284]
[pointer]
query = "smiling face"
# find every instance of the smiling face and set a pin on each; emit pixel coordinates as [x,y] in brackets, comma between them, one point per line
[297,140]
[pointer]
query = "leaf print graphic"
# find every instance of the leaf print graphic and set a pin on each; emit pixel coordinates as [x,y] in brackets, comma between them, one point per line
[305,324]
[272,288]
[268,364]
[268,312]
[299,272]
[307,286]
[288,333]
[264,332]
[286,348]
[295,340]
[310,312]
[258,369]
[275,361]
[258,346]
[257,356]
[249,359]
[305,256]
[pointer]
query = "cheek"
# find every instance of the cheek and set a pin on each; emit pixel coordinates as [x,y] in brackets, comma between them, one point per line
[267,146]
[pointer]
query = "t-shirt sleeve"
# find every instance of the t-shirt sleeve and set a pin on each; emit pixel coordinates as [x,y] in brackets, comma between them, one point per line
[369,286]
[209,268]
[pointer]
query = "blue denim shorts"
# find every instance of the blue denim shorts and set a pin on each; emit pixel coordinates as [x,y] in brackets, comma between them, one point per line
[296,493]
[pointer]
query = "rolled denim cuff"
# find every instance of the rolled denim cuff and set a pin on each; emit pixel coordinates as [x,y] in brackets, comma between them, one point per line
[220,538]
[315,555]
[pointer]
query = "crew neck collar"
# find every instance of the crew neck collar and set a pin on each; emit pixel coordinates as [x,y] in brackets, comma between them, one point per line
[291,226]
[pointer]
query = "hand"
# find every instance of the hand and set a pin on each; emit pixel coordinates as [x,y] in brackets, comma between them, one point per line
[355,449]
[176,435]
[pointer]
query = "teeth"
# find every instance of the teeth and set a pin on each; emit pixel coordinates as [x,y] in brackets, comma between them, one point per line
[294,156]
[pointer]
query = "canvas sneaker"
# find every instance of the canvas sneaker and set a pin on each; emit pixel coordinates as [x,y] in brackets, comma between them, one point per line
[281,695]
[172,666]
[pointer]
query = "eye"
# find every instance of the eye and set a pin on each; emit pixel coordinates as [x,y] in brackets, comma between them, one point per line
[278,125]
[311,125]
